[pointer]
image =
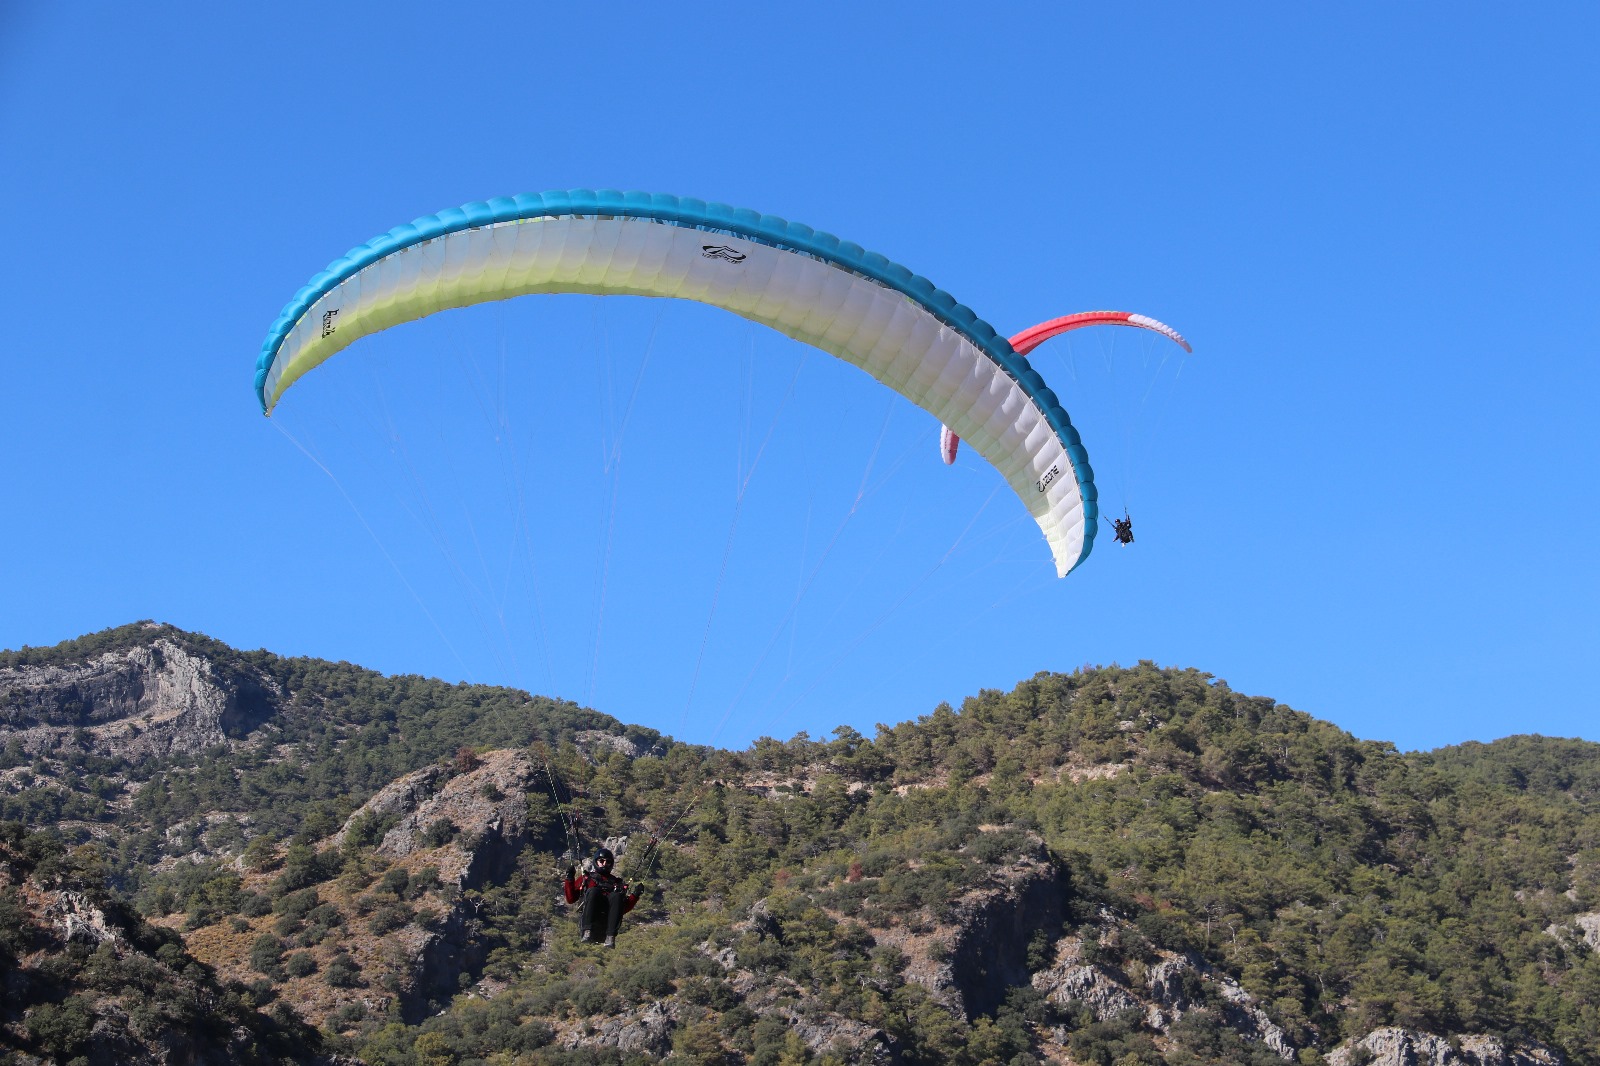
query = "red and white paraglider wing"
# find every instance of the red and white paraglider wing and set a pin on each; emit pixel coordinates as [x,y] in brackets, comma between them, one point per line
[1030,338]
[948,443]
[1033,336]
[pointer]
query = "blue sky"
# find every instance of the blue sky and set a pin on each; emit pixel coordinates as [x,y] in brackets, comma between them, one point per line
[1369,493]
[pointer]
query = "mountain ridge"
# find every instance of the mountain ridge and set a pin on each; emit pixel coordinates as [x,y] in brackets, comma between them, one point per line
[1120,865]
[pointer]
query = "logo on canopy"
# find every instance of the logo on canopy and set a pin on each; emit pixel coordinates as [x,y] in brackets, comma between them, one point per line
[722,251]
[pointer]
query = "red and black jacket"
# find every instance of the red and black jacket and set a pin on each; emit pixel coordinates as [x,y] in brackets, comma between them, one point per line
[608,883]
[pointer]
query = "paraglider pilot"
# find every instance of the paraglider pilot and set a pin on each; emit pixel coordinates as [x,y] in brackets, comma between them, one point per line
[1124,529]
[604,898]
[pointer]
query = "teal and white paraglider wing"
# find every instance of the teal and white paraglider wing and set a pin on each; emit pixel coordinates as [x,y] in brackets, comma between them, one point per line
[829,293]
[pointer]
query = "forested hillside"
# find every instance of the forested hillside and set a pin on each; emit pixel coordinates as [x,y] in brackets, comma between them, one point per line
[1117,866]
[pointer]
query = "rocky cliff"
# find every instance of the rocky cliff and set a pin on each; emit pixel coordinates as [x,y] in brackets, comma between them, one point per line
[150,700]
[1391,1046]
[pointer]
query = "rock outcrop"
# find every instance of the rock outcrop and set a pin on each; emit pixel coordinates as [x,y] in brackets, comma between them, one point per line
[642,1031]
[1172,986]
[970,957]
[483,811]
[76,918]
[1589,925]
[1168,987]
[596,744]
[649,1029]
[1070,983]
[1407,1047]
[989,952]
[470,827]
[141,702]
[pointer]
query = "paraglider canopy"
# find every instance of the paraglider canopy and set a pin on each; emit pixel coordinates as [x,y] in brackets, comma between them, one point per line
[810,285]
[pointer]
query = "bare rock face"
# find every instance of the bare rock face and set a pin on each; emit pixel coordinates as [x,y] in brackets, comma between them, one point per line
[641,1031]
[1241,1011]
[1407,1047]
[75,917]
[156,700]
[470,825]
[400,799]
[1172,987]
[831,1033]
[597,744]
[990,954]
[1580,928]
[647,1030]
[979,949]
[483,811]
[1070,983]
